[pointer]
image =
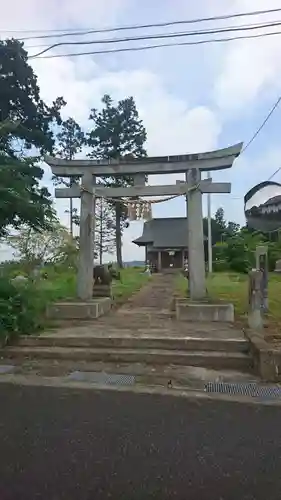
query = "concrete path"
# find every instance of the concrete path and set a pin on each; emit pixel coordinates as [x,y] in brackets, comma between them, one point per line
[61,444]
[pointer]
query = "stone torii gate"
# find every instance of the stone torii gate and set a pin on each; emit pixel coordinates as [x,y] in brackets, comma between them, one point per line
[190,164]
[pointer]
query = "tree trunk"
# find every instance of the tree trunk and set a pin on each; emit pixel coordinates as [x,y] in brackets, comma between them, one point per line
[118,235]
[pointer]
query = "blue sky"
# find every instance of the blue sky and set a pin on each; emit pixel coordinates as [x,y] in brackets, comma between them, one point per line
[191,99]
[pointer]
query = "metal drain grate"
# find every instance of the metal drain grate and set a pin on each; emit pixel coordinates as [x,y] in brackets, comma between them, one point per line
[6,369]
[102,378]
[251,389]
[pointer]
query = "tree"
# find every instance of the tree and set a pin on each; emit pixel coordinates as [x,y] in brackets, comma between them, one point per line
[35,248]
[117,131]
[20,100]
[220,222]
[70,141]
[219,226]
[232,229]
[104,229]
[22,201]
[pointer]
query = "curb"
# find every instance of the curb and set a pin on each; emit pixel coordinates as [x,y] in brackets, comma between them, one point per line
[194,395]
[267,360]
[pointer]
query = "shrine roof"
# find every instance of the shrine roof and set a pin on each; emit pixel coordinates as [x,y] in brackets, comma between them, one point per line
[170,232]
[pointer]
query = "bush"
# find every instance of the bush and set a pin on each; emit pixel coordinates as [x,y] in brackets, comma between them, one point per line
[220,266]
[21,308]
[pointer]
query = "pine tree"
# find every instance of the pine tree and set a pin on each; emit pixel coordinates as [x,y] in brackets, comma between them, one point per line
[117,131]
[70,141]
[20,101]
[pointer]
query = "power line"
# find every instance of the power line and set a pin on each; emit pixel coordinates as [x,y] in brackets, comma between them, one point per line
[150,47]
[273,175]
[163,36]
[79,32]
[198,32]
[276,104]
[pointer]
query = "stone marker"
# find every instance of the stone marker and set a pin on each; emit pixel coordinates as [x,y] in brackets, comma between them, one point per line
[255,321]
[278,266]
[262,265]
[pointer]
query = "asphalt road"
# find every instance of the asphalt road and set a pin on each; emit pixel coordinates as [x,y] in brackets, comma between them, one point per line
[67,444]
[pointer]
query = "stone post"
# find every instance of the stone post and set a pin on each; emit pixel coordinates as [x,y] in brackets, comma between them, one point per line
[86,241]
[255,300]
[262,265]
[278,266]
[159,261]
[196,256]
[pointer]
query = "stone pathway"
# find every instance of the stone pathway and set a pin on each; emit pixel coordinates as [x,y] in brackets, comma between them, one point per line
[142,338]
[156,294]
[149,307]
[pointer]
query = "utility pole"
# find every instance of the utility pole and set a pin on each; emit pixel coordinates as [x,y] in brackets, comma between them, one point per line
[101,231]
[210,246]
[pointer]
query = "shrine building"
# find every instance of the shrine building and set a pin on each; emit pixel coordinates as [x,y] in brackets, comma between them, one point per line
[165,241]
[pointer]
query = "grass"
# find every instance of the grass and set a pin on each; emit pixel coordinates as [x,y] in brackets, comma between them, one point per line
[132,281]
[233,288]
[63,286]
[60,286]
[22,307]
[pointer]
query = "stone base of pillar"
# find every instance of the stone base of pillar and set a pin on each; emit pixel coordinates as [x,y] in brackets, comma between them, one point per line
[79,310]
[102,291]
[187,310]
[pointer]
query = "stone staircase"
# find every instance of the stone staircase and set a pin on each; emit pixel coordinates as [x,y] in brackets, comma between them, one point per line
[141,334]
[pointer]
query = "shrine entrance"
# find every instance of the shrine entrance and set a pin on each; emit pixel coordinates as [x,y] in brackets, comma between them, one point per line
[190,164]
[171,259]
[165,259]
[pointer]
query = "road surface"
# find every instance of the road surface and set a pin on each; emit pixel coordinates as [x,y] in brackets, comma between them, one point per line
[58,443]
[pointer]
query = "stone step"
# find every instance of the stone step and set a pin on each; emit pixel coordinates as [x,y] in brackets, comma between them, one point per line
[131,341]
[208,359]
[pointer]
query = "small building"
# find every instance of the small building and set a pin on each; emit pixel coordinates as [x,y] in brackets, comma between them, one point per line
[165,241]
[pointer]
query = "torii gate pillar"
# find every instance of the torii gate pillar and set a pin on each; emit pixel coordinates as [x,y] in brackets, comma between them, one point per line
[86,240]
[196,257]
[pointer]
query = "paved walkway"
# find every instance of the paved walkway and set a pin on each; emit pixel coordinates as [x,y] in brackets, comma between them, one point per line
[156,294]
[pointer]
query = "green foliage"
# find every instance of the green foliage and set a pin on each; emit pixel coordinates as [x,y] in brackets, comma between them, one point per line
[22,305]
[22,201]
[221,229]
[117,132]
[70,140]
[37,248]
[221,263]
[274,253]
[20,100]
[234,248]
[237,255]
[21,308]
[232,288]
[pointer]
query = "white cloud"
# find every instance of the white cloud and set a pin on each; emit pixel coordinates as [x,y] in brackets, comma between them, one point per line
[246,72]
[249,68]
[51,14]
